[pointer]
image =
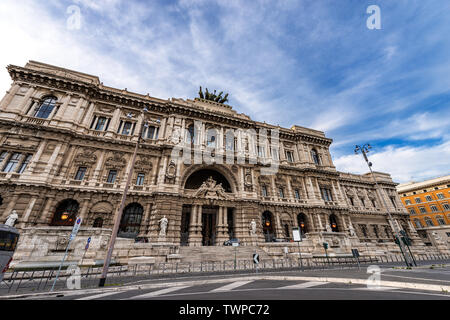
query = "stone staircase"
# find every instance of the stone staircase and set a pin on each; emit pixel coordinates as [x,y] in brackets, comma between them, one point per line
[220,253]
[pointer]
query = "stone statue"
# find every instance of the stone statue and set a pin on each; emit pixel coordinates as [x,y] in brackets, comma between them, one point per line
[11,219]
[210,189]
[328,227]
[352,231]
[253,227]
[163,226]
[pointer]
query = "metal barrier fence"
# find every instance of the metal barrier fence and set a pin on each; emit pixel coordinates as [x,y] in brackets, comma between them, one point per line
[42,280]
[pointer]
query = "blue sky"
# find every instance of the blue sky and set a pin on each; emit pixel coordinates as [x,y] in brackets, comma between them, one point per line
[311,63]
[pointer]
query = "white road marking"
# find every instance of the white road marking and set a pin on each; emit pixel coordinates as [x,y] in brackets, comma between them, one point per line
[304,285]
[231,286]
[158,293]
[97,296]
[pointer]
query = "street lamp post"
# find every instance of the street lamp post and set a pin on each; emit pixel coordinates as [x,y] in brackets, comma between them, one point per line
[118,217]
[364,150]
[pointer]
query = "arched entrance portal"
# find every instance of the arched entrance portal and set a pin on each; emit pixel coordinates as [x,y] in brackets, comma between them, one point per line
[196,179]
[207,222]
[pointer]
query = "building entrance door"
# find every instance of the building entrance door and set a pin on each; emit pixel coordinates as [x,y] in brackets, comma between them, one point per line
[209,215]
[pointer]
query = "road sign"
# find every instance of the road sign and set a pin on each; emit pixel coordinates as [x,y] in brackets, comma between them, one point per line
[325,245]
[75,229]
[355,253]
[296,235]
[88,242]
[256,258]
[235,244]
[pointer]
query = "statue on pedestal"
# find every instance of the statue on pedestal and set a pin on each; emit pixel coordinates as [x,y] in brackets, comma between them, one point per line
[11,219]
[352,231]
[163,222]
[328,227]
[253,227]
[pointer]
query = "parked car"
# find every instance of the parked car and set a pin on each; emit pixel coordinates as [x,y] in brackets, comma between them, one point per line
[231,241]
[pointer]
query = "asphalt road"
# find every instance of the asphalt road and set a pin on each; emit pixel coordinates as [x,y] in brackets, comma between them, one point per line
[261,290]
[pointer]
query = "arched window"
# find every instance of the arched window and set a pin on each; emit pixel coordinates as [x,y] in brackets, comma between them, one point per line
[98,223]
[440,220]
[45,107]
[131,221]
[315,156]
[267,224]
[429,222]
[66,213]
[418,223]
[302,223]
[333,223]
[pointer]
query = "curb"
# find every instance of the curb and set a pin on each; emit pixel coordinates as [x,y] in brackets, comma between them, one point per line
[392,284]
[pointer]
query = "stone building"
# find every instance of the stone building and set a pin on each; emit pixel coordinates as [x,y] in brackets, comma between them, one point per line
[66,146]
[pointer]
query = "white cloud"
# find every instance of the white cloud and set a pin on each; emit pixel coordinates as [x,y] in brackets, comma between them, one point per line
[404,163]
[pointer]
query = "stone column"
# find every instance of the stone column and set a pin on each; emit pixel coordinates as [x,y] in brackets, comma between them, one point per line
[37,156]
[46,214]
[26,99]
[28,211]
[59,115]
[83,210]
[195,237]
[52,159]
[9,96]
[221,226]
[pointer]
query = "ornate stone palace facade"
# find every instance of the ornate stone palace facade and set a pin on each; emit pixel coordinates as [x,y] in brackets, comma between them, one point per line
[66,145]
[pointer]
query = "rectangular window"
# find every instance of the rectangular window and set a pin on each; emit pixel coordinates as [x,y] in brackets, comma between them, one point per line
[393,202]
[290,156]
[434,208]
[80,173]
[275,154]
[326,194]
[351,201]
[127,128]
[446,206]
[140,179]
[100,124]
[25,163]
[3,155]
[281,192]
[423,210]
[412,211]
[428,198]
[151,133]
[297,194]
[12,163]
[408,202]
[112,176]
[440,196]
[264,191]
[417,200]
[261,152]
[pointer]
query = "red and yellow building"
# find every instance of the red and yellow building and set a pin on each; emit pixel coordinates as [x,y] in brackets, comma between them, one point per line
[428,204]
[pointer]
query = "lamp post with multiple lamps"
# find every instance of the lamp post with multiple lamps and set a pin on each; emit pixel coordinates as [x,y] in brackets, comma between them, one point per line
[118,217]
[364,150]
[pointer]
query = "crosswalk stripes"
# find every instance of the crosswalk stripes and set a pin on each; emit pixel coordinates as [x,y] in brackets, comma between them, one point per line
[231,286]
[98,296]
[303,285]
[159,292]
